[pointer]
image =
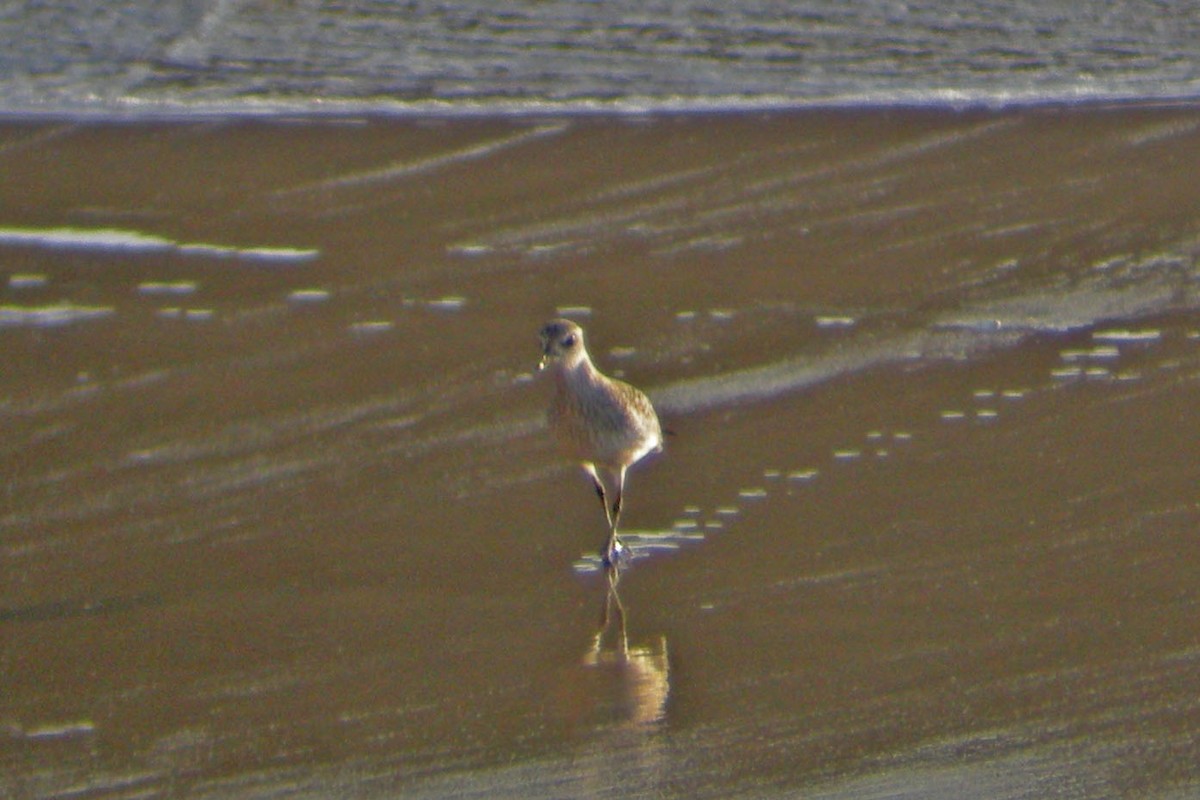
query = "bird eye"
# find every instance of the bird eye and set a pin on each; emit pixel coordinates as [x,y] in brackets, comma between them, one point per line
[569,340]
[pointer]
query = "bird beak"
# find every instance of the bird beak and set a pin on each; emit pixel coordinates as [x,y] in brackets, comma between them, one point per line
[542,362]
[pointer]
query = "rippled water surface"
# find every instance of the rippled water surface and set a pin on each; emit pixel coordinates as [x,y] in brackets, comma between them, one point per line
[248,56]
[280,516]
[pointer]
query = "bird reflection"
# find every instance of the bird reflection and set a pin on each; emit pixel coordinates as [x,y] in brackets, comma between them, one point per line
[643,671]
[614,703]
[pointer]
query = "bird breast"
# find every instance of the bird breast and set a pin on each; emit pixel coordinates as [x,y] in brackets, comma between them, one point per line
[601,420]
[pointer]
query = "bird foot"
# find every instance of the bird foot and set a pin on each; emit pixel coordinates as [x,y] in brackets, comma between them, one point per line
[614,555]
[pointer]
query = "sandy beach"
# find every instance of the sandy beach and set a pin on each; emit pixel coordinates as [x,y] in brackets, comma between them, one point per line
[281,516]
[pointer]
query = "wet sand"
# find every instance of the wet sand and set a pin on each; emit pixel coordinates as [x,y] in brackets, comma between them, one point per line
[281,516]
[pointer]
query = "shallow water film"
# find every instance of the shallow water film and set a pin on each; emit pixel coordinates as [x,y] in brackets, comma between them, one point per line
[281,516]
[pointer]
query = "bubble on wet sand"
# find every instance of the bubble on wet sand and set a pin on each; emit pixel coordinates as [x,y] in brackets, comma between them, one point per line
[371,326]
[1066,373]
[833,322]
[158,288]
[1126,336]
[447,303]
[27,280]
[188,314]
[469,249]
[305,296]
[1098,353]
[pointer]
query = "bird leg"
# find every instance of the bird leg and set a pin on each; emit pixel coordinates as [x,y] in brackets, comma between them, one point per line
[590,469]
[612,512]
[616,506]
[612,549]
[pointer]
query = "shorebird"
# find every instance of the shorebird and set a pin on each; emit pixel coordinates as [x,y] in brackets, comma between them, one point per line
[603,423]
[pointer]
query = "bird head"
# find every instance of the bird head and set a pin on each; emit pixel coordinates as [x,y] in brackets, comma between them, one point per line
[562,343]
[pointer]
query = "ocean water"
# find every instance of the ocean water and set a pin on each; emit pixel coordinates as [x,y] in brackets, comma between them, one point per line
[253,56]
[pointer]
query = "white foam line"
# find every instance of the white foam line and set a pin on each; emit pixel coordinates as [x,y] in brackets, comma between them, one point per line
[84,239]
[1066,311]
[1158,132]
[249,253]
[49,316]
[126,241]
[1004,323]
[405,169]
[61,730]
[954,337]
[1121,335]
[780,377]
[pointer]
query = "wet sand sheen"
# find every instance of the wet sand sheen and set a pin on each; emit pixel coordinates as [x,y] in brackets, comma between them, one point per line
[292,524]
